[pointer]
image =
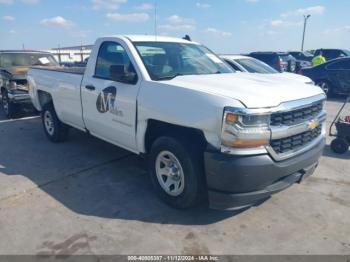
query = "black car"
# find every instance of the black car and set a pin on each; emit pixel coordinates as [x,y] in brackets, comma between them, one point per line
[304,58]
[330,54]
[333,76]
[281,61]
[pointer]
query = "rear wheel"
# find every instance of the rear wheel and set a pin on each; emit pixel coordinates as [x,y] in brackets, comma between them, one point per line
[340,145]
[10,109]
[54,129]
[176,172]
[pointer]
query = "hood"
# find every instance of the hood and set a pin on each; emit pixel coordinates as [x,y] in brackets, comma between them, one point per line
[296,77]
[253,90]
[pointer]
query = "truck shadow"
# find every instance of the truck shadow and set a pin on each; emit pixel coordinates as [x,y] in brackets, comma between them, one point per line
[88,176]
[327,152]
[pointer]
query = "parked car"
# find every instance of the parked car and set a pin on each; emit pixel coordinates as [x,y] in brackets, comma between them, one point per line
[330,54]
[303,58]
[207,132]
[333,76]
[13,77]
[251,65]
[281,61]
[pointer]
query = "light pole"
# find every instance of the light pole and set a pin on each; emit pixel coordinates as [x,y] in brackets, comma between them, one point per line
[306,17]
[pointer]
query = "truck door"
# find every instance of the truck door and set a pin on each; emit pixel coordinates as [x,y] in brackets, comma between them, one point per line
[109,107]
[339,73]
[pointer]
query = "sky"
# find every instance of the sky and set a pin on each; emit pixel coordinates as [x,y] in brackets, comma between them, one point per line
[225,26]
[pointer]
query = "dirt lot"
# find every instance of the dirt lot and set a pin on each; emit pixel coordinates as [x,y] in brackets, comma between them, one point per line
[88,197]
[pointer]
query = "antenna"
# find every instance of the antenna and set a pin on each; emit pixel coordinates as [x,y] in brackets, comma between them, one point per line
[155,19]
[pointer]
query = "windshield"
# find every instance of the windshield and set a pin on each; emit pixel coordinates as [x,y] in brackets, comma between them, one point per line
[347,52]
[165,60]
[255,66]
[26,59]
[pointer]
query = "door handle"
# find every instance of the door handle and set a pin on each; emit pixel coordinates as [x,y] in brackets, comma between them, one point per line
[90,87]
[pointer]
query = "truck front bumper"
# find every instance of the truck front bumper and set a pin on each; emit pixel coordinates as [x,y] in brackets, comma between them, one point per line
[19,96]
[236,182]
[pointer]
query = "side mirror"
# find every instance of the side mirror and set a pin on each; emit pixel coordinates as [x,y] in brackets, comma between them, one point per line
[120,73]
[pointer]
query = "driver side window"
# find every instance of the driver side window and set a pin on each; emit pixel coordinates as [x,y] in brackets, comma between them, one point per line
[111,53]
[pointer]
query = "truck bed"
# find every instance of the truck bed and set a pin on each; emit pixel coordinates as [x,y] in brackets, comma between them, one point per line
[63,69]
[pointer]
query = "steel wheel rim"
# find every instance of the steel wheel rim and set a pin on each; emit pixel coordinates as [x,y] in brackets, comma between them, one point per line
[5,103]
[169,173]
[48,121]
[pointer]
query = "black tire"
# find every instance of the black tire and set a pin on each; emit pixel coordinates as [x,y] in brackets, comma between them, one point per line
[191,163]
[340,145]
[326,87]
[56,131]
[10,109]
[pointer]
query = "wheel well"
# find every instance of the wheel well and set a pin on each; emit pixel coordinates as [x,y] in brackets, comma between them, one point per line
[156,128]
[44,98]
[322,80]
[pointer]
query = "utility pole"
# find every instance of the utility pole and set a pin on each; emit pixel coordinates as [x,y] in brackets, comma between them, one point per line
[306,17]
[59,53]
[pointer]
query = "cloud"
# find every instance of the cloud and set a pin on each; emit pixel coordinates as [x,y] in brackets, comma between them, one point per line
[131,17]
[218,32]
[178,23]
[341,29]
[107,4]
[7,2]
[12,32]
[311,10]
[177,27]
[30,2]
[58,21]
[284,23]
[179,20]
[203,5]
[8,18]
[145,7]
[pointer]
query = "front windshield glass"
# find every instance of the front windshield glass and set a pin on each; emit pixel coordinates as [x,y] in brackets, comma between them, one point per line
[166,60]
[347,52]
[255,66]
[26,59]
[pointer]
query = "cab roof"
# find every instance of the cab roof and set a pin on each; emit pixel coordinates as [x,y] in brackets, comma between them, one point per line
[153,38]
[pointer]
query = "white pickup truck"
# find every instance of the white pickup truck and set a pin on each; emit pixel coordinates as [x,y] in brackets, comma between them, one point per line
[208,132]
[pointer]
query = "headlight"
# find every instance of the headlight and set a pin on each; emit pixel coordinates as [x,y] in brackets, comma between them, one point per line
[245,131]
[13,85]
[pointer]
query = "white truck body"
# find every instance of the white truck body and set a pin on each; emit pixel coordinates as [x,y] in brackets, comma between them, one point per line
[188,101]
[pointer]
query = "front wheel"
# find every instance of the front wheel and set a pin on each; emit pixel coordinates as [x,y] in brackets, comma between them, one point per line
[176,172]
[55,130]
[10,109]
[340,145]
[326,87]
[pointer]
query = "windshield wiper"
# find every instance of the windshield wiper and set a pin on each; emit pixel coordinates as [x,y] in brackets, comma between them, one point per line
[169,77]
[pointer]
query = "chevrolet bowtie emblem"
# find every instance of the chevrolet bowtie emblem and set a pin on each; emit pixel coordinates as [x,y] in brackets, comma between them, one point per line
[313,124]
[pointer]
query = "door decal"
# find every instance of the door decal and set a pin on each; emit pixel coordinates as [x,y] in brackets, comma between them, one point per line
[106,100]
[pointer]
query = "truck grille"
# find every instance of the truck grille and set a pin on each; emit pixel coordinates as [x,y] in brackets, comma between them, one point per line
[295,142]
[296,116]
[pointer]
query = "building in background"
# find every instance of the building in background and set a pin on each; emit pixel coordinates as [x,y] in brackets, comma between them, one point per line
[71,54]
